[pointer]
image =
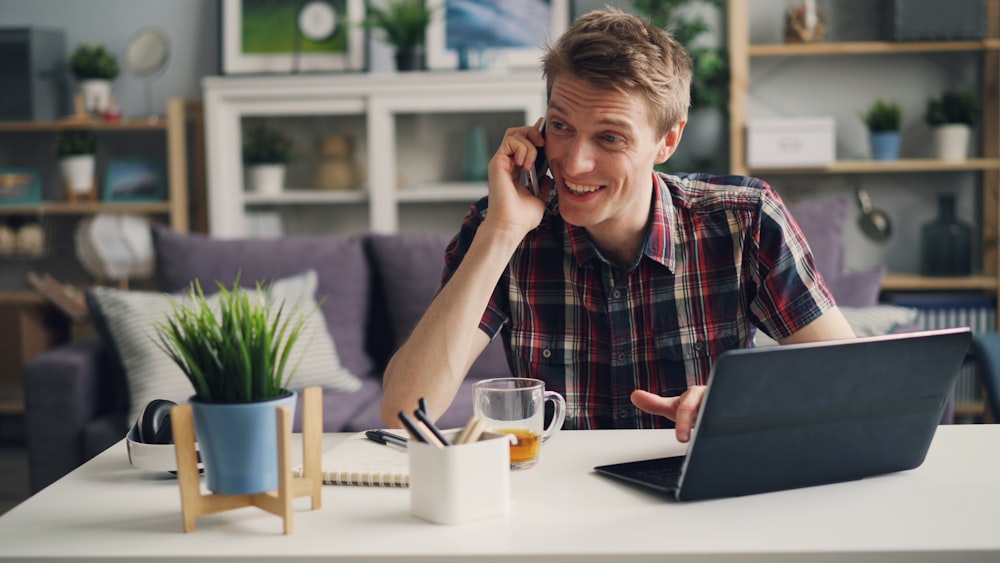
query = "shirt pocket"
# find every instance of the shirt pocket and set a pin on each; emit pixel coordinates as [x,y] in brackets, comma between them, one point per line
[691,350]
[542,356]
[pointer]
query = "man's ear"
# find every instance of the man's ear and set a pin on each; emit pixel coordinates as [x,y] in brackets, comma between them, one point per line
[670,141]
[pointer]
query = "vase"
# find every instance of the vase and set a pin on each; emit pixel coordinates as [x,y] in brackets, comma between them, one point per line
[951,141]
[410,59]
[946,242]
[78,173]
[885,145]
[266,179]
[96,95]
[238,444]
[337,170]
[476,162]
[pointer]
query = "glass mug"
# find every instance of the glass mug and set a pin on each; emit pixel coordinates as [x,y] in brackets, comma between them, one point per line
[516,405]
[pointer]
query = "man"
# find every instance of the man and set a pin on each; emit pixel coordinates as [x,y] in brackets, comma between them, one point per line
[616,285]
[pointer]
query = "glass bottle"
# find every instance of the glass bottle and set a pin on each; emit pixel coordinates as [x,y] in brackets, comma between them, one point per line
[946,242]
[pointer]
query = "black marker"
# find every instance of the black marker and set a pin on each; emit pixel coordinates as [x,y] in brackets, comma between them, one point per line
[422,416]
[386,438]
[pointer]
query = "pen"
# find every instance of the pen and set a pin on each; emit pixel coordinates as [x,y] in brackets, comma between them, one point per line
[387,438]
[423,405]
[422,417]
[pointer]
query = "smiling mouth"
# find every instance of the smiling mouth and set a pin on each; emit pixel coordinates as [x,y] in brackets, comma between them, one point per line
[580,189]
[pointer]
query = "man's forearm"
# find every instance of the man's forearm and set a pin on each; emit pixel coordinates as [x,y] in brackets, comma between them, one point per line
[437,355]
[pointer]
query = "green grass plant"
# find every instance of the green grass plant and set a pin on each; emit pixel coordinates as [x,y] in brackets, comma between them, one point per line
[232,347]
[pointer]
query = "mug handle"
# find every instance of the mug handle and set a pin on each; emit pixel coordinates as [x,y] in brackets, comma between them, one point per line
[558,415]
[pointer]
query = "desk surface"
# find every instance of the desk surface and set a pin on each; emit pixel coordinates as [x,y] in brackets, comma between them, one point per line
[946,510]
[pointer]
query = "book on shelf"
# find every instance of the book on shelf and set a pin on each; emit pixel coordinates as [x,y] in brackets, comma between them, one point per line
[360,461]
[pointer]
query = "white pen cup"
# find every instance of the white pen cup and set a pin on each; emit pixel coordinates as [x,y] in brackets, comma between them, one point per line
[516,405]
[460,483]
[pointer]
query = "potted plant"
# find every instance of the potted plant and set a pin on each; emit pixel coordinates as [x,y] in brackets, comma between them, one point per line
[883,120]
[266,153]
[951,117]
[94,68]
[402,24]
[76,150]
[234,348]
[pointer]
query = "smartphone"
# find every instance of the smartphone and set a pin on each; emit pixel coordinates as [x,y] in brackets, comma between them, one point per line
[533,175]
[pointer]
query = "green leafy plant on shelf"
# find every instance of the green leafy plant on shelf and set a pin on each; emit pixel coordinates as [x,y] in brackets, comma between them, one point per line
[883,116]
[75,142]
[267,145]
[93,62]
[402,23]
[235,347]
[953,107]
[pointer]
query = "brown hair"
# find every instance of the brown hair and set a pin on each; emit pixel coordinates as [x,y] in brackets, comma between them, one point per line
[614,50]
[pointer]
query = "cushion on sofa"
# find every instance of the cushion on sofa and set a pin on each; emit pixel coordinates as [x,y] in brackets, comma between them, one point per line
[409,268]
[127,320]
[343,276]
[822,222]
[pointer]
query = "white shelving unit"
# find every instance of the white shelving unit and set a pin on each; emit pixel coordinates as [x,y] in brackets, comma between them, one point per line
[408,130]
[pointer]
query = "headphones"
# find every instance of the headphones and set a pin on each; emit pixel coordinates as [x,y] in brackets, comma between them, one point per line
[153,424]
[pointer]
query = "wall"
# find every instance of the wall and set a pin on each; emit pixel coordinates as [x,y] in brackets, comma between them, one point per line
[191,25]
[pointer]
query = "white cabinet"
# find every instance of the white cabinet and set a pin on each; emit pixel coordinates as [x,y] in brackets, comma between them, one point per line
[409,131]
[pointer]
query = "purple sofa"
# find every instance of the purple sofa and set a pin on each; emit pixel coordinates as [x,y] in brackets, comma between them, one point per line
[376,289]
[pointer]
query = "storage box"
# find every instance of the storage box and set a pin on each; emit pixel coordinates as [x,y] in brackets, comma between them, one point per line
[934,20]
[807,142]
[33,74]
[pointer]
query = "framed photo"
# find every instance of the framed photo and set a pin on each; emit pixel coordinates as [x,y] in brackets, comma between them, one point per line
[493,33]
[19,186]
[271,36]
[128,180]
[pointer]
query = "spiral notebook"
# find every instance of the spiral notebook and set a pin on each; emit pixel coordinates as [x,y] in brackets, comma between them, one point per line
[360,461]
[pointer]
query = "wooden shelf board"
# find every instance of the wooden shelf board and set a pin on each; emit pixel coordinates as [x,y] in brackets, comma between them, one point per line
[21,297]
[123,125]
[84,208]
[869,48]
[915,282]
[895,166]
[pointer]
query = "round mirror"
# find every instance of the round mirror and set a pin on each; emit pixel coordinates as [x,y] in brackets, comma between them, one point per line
[147,51]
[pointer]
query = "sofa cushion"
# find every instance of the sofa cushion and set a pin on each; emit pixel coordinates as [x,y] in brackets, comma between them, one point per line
[822,222]
[344,277]
[127,320]
[409,268]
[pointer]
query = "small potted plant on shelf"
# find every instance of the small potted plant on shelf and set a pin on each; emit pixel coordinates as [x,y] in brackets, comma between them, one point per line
[951,117]
[266,153]
[403,24]
[234,348]
[76,150]
[94,68]
[883,120]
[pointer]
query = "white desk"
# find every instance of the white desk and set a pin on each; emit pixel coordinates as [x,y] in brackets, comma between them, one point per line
[946,510]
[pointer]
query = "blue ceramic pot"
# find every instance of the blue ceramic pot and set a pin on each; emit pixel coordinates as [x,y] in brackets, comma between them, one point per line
[238,443]
[885,145]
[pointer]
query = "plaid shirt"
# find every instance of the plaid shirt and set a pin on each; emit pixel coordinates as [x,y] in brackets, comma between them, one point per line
[722,256]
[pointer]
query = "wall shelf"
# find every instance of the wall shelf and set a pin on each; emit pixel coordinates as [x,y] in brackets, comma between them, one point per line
[408,129]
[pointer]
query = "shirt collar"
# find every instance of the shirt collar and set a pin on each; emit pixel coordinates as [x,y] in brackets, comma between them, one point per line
[659,239]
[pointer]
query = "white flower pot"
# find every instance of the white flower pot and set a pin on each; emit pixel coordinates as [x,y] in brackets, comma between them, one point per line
[78,173]
[951,141]
[96,95]
[266,179]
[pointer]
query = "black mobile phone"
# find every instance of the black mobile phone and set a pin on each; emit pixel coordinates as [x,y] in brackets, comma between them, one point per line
[533,175]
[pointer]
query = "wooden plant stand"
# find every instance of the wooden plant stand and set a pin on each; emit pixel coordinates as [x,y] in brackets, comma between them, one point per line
[279,502]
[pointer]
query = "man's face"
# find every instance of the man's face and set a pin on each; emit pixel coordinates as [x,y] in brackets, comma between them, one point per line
[602,146]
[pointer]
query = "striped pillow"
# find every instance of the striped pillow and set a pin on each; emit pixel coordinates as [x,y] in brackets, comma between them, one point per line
[126,320]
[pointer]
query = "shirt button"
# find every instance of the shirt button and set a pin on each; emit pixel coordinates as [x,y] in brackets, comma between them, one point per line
[617,294]
[622,356]
[699,346]
[546,353]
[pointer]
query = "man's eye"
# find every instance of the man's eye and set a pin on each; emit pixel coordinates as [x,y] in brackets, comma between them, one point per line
[610,138]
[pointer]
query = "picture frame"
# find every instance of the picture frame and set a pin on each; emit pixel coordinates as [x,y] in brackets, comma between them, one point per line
[268,53]
[20,186]
[134,180]
[505,39]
